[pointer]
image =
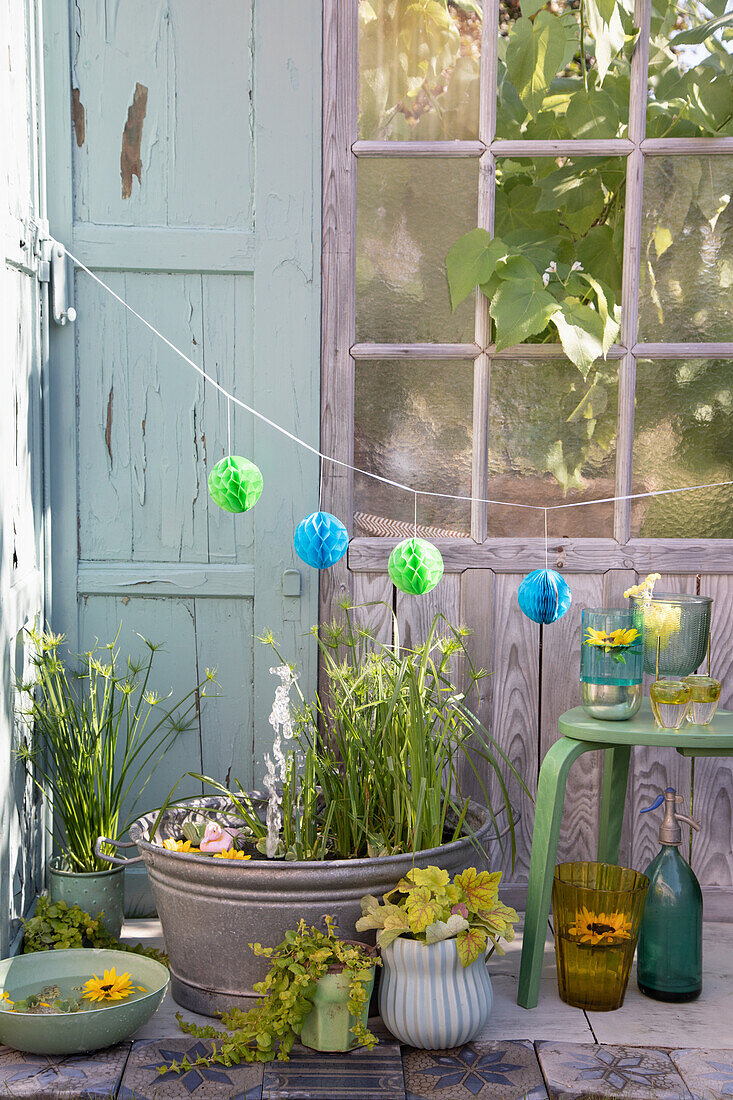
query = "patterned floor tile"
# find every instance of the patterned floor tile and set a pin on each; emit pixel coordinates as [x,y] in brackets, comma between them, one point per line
[142,1081]
[82,1076]
[360,1075]
[477,1071]
[707,1073]
[575,1071]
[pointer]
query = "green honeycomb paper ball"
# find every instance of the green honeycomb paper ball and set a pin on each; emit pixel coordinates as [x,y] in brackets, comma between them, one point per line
[235,484]
[415,566]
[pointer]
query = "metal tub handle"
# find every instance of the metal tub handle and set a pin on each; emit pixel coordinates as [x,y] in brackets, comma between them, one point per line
[124,862]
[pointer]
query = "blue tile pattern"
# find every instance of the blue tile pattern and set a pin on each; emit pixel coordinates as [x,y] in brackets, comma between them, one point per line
[476,1071]
[707,1073]
[359,1075]
[81,1076]
[578,1070]
[144,1081]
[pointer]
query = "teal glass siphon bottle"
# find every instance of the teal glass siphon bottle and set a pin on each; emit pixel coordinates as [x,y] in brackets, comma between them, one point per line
[669,955]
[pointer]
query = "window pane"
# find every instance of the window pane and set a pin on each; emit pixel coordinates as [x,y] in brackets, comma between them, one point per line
[409,214]
[546,90]
[690,71]
[419,70]
[683,435]
[686,290]
[413,424]
[565,211]
[552,440]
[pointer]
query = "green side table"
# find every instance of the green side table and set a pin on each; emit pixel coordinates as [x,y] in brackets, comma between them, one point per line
[579,734]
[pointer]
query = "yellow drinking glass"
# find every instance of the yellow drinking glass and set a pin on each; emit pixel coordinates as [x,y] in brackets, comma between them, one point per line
[670,701]
[705,698]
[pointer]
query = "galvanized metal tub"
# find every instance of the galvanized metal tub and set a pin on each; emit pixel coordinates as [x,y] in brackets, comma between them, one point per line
[212,909]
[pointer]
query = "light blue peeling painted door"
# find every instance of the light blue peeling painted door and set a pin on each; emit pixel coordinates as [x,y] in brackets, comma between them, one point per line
[184,167]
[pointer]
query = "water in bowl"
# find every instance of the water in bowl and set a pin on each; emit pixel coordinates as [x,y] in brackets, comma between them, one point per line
[65,995]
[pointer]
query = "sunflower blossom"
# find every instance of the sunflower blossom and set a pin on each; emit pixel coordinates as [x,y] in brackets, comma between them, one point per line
[231,853]
[177,845]
[600,928]
[110,987]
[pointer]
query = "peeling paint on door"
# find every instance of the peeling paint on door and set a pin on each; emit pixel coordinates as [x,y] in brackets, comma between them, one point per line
[130,162]
[78,116]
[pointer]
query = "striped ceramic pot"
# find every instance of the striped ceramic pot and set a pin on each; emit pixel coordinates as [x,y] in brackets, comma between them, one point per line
[428,999]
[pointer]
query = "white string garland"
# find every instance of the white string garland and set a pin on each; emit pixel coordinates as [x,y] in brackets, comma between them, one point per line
[356,469]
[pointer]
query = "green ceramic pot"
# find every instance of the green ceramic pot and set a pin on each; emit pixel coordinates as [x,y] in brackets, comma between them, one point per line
[328,1025]
[95,892]
[76,1032]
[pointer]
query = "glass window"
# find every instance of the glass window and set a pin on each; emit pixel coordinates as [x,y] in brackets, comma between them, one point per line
[683,435]
[549,88]
[413,424]
[419,70]
[552,440]
[690,70]
[409,213]
[686,279]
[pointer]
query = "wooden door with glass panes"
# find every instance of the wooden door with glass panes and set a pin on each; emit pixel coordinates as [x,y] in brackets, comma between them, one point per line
[444,116]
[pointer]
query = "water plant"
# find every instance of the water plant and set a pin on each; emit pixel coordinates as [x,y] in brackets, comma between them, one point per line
[379,757]
[96,734]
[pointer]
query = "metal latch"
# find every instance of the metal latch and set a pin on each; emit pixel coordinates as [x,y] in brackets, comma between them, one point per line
[58,267]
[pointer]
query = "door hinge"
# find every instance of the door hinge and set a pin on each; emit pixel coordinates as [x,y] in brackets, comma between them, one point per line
[54,269]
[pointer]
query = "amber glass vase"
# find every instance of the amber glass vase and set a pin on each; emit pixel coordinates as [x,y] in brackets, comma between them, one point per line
[597,910]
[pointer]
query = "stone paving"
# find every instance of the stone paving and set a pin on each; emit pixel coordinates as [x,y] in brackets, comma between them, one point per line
[551,1052]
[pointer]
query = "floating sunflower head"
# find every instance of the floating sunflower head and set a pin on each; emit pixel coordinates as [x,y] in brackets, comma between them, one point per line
[110,987]
[615,640]
[231,853]
[6,999]
[600,928]
[177,845]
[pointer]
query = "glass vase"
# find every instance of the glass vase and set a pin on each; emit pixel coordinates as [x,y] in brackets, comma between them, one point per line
[597,910]
[612,662]
[681,623]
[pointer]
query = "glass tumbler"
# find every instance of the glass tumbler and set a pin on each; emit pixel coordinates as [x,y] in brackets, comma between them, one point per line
[612,662]
[704,700]
[670,701]
[597,910]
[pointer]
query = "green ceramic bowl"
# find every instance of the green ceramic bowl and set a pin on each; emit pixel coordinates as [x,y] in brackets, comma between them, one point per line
[76,1032]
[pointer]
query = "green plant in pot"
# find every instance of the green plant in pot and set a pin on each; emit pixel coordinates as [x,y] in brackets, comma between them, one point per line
[364,781]
[95,734]
[435,934]
[317,987]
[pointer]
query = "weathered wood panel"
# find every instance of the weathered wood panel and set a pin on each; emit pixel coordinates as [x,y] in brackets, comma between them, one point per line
[515,687]
[560,657]
[22,580]
[149,428]
[712,851]
[164,113]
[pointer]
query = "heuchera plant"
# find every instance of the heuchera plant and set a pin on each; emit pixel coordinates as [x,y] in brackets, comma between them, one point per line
[428,907]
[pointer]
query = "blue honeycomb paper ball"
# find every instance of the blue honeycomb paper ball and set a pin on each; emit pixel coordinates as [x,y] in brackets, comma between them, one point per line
[320,540]
[544,596]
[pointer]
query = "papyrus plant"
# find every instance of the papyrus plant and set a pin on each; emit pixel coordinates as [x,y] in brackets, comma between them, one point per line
[95,734]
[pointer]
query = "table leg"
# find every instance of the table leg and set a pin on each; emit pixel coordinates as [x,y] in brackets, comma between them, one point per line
[613,799]
[547,818]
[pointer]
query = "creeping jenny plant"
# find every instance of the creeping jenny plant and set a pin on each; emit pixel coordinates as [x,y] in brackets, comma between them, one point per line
[426,906]
[269,1029]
